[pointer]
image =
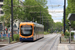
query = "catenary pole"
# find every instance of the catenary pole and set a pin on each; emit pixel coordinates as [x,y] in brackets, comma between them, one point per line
[64,15]
[12,19]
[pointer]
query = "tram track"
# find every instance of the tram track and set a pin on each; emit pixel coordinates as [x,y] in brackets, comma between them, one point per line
[44,47]
[18,45]
[11,46]
[53,43]
[37,45]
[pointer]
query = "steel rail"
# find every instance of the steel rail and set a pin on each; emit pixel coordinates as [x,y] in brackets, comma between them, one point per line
[47,42]
[53,43]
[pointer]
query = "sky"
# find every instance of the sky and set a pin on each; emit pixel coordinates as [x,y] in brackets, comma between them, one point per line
[57,17]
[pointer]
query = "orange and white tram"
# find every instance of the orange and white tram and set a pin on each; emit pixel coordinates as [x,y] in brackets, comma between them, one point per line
[30,31]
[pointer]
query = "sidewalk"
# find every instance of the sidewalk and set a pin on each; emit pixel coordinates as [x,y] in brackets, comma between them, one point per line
[66,47]
[1,44]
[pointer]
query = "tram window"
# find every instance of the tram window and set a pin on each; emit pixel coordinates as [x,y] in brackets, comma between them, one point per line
[26,30]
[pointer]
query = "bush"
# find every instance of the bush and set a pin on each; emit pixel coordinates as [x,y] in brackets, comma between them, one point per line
[16,37]
[10,39]
[68,34]
[48,30]
[46,33]
[72,34]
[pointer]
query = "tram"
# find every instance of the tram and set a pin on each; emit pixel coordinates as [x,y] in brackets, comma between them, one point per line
[30,31]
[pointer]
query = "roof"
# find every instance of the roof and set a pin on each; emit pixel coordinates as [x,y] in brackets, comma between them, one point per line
[71,17]
[36,24]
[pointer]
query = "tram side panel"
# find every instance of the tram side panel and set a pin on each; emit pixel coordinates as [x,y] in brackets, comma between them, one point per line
[38,32]
[35,33]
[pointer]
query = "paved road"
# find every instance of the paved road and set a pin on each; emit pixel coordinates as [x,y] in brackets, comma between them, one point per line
[49,42]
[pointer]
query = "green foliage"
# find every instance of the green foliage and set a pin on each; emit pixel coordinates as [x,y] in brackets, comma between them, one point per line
[72,34]
[61,32]
[2,18]
[7,10]
[49,30]
[67,34]
[16,37]
[30,9]
[45,33]
[10,39]
[42,2]
[58,26]
[70,9]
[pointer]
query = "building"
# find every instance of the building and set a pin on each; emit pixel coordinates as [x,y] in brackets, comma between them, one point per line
[1,10]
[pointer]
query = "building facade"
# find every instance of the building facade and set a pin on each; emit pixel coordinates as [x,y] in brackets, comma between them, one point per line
[1,10]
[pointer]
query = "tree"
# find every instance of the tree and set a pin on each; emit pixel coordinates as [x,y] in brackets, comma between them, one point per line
[58,26]
[31,9]
[70,9]
[17,11]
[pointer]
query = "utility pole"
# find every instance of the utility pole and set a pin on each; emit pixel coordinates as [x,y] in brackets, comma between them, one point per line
[4,26]
[47,25]
[40,16]
[64,15]
[69,31]
[42,19]
[12,19]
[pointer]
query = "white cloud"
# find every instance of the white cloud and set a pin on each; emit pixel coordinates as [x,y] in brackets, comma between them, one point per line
[58,21]
[57,17]
[58,9]
[56,14]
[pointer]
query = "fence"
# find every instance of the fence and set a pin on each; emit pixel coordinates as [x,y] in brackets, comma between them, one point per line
[66,39]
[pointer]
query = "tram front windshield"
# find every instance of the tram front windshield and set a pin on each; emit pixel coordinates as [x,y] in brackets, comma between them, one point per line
[26,30]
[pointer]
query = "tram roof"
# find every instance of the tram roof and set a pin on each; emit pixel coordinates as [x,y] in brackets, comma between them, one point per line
[36,24]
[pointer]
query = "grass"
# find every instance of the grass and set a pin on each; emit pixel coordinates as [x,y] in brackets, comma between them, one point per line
[13,42]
